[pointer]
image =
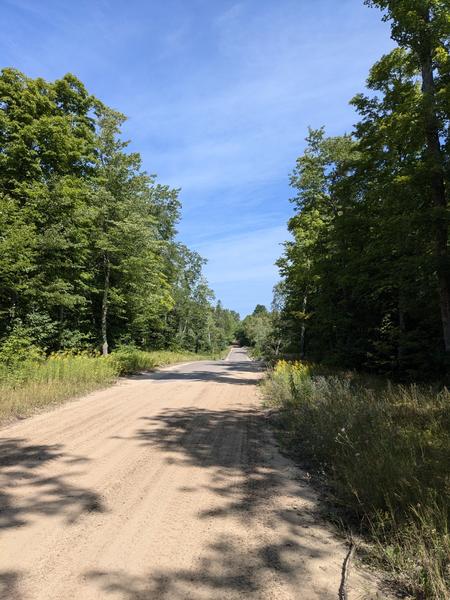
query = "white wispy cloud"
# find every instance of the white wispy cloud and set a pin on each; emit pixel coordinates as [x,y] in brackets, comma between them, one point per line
[241,116]
[219,96]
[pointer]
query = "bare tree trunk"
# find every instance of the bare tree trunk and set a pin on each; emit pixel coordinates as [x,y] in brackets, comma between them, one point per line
[401,331]
[278,346]
[302,330]
[61,326]
[104,325]
[437,185]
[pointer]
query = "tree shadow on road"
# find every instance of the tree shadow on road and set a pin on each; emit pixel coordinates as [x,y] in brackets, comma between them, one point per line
[215,371]
[9,585]
[226,570]
[21,468]
[233,442]
[237,449]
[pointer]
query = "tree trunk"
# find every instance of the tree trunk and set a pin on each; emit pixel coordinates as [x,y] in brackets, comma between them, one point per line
[104,326]
[437,187]
[61,326]
[401,331]
[302,329]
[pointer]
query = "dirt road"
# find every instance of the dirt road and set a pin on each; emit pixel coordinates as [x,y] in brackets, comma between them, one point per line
[165,486]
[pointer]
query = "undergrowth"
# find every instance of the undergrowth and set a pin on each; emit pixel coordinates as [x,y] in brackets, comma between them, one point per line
[384,450]
[27,385]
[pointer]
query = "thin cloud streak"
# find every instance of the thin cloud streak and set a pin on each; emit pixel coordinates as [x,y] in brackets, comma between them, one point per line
[219,96]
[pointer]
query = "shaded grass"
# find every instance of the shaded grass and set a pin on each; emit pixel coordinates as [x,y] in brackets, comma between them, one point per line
[385,452]
[30,385]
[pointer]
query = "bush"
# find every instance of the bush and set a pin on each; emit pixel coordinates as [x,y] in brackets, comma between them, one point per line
[17,348]
[385,452]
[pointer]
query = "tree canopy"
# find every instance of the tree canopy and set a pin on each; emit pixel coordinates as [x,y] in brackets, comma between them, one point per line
[366,277]
[88,251]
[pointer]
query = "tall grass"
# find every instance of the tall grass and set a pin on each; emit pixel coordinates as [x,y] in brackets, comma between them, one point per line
[385,451]
[32,384]
[29,385]
[131,360]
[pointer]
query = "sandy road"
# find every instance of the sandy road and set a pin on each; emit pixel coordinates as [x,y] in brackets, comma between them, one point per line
[165,486]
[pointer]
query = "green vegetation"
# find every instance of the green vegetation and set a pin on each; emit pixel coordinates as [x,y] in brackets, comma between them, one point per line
[365,285]
[35,383]
[385,453]
[366,276]
[38,383]
[259,332]
[88,253]
[90,263]
[89,259]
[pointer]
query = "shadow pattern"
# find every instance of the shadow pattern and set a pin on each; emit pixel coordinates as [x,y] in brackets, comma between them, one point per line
[225,571]
[9,585]
[235,446]
[216,371]
[20,465]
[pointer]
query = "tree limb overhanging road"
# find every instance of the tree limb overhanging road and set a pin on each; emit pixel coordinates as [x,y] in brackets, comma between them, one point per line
[166,486]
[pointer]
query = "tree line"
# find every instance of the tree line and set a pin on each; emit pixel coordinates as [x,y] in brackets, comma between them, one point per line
[88,251]
[366,275]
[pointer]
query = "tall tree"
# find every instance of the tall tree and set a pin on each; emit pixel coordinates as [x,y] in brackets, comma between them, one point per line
[47,149]
[129,262]
[88,250]
[423,27]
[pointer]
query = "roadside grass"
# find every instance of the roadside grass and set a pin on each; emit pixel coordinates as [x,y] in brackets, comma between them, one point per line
[384,451]
[30,385]
[131,360]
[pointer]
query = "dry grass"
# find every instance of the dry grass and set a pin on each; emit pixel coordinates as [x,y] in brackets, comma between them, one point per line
[386,454]
[31,385]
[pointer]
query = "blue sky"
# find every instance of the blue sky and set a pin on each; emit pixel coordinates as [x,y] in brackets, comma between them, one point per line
[219,95]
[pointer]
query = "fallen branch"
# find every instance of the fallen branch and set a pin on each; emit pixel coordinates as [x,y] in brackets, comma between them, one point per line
[345,570]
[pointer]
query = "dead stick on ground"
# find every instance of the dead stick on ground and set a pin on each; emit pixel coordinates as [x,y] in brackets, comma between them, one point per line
[345,570]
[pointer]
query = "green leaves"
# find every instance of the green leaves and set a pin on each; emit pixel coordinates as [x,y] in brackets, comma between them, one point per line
[360,278]
[87,238]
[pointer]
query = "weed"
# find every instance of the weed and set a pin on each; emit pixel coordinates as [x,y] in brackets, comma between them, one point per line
[385,450]
[30,384]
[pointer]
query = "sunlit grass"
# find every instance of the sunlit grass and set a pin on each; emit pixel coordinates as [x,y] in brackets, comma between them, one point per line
[385,451]
[30,385]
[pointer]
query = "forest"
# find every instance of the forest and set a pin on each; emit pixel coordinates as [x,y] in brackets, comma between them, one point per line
[89,258]
[365,277]
[95,283]
[359,330]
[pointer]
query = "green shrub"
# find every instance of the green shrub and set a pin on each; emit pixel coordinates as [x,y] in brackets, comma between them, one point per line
[17,348]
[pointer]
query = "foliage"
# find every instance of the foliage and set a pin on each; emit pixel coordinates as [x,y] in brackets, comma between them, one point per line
[385,451]
[255,331]
[88,255]
[366,285]
[365,279]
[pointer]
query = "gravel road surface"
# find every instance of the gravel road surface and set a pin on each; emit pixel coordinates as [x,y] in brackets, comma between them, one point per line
[167,485]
